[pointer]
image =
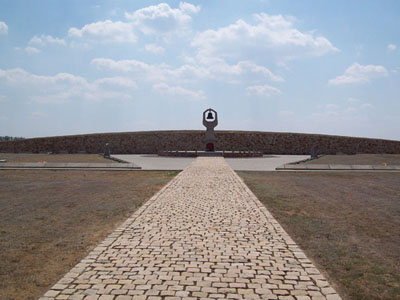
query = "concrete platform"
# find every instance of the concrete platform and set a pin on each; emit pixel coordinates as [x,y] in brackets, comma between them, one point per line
[155,162]
[209,154]
[265,163]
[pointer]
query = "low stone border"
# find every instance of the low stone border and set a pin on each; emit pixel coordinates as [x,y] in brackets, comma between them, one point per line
[47,165]
[336,167]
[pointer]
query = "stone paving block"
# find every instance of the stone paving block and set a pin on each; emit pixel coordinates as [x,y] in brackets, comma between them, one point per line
[203,236]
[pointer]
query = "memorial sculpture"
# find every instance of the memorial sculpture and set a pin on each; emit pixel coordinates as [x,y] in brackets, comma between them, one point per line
[210,121]
[314,152]
[107,150]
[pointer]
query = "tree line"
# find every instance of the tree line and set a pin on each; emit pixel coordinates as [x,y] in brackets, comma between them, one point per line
[10,138]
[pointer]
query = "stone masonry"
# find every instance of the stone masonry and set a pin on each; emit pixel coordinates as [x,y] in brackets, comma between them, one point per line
[203,236]
[152,142]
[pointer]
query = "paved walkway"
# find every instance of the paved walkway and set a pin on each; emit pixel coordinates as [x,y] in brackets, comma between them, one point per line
[203,236]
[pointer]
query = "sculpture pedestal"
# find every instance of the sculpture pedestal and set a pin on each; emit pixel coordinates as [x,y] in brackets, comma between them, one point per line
[228,154]
[210,153]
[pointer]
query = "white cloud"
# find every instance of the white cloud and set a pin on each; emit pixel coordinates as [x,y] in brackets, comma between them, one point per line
[154,19]
[357,73]
[367,105]
[356,107]
[262,90]
[154,48]
[123,82]
[32,50]
[37,115]
[395,71]
[189,8]
[137,68]
[359,103]
[29,50]
[105,31]
[65,87]
[3,118]
[162,19]
[328,114]
[44,40]
[151,72]
[220,70]
[331,106]
[353,100]
[350,110]
[272,37]
[21,77]
[58,97]
[285,113]
[3,98]
[162,72]
[91,94]
[100,95]
[178,91]
[3,28]
[391,47]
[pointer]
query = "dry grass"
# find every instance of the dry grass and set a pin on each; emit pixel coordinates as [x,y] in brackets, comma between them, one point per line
[49,220]
[348,223]
[56,158]
[358,159]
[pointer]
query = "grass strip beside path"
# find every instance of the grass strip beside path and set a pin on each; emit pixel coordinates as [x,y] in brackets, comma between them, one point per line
[50,220]
[347,223]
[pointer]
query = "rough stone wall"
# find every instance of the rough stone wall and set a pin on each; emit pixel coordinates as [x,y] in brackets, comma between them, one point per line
[155,141]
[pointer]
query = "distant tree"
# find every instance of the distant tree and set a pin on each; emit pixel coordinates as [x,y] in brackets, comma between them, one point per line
[10,138]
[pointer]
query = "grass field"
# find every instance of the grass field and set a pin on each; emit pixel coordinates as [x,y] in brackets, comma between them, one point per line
[358,159]
[347,223]
[50,220]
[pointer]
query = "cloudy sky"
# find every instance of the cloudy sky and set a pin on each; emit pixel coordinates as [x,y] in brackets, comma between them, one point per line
[72,67]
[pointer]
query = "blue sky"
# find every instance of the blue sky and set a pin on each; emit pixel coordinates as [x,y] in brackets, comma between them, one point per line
[74,67]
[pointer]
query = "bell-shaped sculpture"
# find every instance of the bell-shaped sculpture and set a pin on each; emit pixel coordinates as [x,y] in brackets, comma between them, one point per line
[210,121]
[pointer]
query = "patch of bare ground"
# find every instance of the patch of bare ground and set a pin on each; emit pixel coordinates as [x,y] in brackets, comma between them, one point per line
[358,159]
[54,158]
[50,220]
[347,223]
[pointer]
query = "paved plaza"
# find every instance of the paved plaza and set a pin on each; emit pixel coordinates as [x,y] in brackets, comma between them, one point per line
[155,162]
[203,236]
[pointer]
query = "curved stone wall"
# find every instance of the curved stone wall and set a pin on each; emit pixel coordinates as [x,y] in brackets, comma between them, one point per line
[155,141]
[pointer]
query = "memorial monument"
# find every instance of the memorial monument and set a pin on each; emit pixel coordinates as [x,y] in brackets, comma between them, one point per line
[107,150]
[210,122]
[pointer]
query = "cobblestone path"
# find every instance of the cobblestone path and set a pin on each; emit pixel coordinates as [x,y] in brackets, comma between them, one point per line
[203,236]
